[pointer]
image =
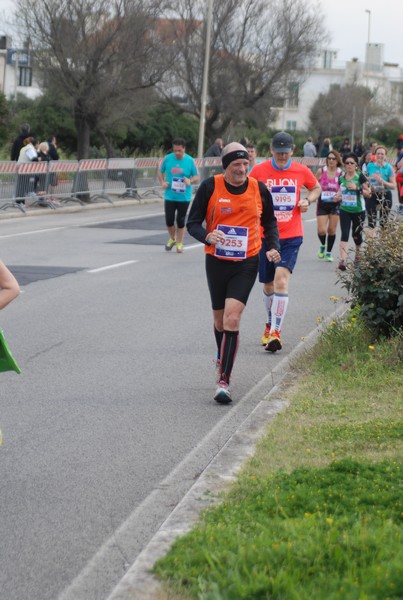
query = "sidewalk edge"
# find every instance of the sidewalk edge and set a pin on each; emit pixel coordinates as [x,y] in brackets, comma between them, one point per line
[138,582]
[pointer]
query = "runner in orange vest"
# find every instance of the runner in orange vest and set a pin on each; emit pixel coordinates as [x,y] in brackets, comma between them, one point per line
[227,215]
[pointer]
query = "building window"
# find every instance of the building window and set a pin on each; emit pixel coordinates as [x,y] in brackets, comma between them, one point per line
[25,79]
[293,94]
[291,126]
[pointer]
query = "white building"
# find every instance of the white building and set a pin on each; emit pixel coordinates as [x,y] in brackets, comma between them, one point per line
[384,78]
[16,70]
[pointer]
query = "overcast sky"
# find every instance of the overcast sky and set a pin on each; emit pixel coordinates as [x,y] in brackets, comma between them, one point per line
[347,23]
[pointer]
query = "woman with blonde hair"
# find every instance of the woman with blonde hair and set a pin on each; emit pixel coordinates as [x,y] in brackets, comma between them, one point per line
[326,148]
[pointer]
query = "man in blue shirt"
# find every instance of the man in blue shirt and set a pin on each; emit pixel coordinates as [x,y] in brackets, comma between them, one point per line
[177,173]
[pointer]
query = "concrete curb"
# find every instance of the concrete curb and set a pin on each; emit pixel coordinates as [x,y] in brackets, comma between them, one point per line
[138,582]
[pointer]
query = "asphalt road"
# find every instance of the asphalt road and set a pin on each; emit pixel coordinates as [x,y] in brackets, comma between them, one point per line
[112,418]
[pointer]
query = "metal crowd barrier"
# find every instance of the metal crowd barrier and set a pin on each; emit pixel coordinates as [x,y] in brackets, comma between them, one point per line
[89,183]
[8,181]
[121,175]
[56,183]
[146,170]
[61,181]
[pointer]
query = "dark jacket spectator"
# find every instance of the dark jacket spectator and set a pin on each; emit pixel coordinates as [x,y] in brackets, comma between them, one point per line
[359,148]
[345,148]
[53,153]
[215,149]
[18,143]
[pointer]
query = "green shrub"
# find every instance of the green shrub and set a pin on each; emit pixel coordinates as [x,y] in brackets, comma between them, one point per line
[376,285]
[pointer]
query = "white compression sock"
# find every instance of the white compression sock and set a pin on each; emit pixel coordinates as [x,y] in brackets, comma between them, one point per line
[268,301]
[278,310]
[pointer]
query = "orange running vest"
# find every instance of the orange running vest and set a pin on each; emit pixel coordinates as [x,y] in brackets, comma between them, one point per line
[235,210]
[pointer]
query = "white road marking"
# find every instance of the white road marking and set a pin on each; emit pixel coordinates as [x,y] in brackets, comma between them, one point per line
[34,231]
[115,266]
[193,246]
[31,232]
[137,218]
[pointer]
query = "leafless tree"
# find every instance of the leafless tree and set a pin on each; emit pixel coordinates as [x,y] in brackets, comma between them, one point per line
[333,112]
[257,45]
[101,56]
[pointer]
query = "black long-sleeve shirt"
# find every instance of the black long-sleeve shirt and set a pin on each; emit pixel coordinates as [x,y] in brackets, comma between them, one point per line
[198,211]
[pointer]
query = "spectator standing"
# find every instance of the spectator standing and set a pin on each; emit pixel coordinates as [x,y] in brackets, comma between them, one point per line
[359,148]
[41,180]
[234,207]
[29,150]
[372,149]
[177,172]
[285,179]
[353,188]
[327,146]
[18,143]
[365,160]
[345,148]
[252,154]
[43,152]
[215,149]
[309,148]
[25,183]
[53,153]
[328,210]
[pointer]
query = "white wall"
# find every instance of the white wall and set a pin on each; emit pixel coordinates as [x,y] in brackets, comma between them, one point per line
[377,76]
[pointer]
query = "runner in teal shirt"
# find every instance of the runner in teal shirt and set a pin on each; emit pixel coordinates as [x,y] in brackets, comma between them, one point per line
[382,180]
[176,174]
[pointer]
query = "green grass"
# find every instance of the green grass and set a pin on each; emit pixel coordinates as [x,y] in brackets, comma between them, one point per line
[318,511]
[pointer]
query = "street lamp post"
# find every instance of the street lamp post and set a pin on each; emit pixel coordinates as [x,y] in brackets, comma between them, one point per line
[366,72]
[203,100]
[368,42]
[369,24]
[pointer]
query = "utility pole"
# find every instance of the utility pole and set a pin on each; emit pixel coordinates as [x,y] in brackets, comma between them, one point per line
[368,43]
[364,118]
[353,129]
[202,124]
